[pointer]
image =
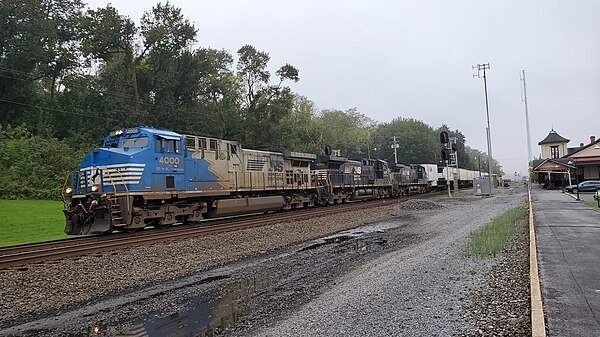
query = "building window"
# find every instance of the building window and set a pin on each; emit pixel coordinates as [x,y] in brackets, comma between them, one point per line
[554,152]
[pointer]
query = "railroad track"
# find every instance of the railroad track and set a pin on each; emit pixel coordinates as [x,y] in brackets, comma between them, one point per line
[14,256]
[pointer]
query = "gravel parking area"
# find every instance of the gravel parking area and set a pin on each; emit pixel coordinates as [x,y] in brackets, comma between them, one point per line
[410,278]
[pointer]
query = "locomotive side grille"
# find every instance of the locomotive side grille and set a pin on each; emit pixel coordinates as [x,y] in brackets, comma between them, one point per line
[255,165]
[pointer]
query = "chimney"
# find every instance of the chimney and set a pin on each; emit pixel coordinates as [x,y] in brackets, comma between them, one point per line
[580,144]
[592,139]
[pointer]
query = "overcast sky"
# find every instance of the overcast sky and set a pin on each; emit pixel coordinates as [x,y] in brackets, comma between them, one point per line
[413,59]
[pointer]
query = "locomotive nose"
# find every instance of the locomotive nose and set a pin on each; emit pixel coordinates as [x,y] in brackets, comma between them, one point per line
[101,157]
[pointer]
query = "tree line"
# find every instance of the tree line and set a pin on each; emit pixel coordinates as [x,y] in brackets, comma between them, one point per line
[69,75]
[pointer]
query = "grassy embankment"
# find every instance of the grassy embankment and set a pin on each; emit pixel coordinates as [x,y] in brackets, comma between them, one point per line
[26,221]
[490,239]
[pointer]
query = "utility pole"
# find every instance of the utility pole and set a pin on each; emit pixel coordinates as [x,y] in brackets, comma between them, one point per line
[529,155]
[395,146]
[483,67]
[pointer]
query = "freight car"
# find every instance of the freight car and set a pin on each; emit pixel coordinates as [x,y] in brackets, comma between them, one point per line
[465,177]
[145,176]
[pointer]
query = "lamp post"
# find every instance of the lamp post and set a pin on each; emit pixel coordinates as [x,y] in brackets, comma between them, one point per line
[576,178]
[577,182]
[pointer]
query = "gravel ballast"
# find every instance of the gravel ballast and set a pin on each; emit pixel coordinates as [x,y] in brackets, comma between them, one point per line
[419,290]
[61,285]
[412,277]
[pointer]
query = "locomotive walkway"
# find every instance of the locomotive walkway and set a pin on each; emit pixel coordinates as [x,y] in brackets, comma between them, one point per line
[568,248]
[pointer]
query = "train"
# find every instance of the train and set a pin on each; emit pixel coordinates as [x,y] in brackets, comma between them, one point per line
[145,176]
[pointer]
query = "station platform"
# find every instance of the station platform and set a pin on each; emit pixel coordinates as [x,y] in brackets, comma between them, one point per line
[568,248]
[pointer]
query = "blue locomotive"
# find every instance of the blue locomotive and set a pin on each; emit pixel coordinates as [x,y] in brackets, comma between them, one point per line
[145,176]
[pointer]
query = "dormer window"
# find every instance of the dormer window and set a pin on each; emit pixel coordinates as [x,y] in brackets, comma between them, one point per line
[554,152]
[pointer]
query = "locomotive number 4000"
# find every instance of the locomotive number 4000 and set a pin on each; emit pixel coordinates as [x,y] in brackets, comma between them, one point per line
[169,160]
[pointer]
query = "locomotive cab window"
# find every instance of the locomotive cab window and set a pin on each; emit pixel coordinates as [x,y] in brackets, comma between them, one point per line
[167,145]
[135,142]
[112,142]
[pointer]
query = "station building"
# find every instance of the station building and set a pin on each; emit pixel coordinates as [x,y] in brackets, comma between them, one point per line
[560,165]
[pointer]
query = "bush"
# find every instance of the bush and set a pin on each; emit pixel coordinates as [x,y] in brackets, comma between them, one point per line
[33,167]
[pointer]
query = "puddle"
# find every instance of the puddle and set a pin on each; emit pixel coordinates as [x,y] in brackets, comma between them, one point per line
[354,233]
[209,315]
[327,241]
[205,315]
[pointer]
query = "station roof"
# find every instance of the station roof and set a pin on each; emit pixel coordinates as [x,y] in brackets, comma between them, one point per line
[552,164]
[553,137]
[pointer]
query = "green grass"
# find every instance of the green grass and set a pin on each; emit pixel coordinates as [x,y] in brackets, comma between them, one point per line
[26,221]
[592,204]
[489,240]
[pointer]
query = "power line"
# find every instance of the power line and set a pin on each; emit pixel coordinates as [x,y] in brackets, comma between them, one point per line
[57,110]
[180,130]
[16,78]
[14,71]
[124,98]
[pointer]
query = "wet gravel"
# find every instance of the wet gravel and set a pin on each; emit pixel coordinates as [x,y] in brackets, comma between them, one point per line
[61,285]
[420,205]
[424,289]
[415,279]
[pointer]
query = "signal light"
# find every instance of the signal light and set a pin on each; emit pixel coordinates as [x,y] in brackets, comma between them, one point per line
[454,147]
[445,154]
[444,137]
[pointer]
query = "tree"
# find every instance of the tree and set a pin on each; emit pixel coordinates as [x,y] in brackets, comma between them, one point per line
[163,30]
[479,162]
[38,48]
[417,143]
[342,130]
[265,105]
[296,130]
[20,157]
[252,71]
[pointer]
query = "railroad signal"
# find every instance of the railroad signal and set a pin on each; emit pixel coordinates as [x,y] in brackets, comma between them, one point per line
[444,139]
[445,154]
[454,147]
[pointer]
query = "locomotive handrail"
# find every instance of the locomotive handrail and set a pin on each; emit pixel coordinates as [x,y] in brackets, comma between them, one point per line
[112,180]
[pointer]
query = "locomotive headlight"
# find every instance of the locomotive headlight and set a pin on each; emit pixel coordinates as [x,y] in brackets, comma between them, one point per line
[68,190]
[95,188]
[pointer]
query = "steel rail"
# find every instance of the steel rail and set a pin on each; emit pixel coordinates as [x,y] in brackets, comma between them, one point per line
[20,255]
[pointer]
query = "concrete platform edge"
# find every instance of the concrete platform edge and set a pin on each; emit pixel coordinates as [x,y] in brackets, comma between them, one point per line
[538,324]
